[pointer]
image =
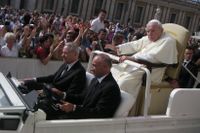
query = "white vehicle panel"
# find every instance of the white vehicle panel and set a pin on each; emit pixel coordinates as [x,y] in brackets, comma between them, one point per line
[81,126]
[163,124]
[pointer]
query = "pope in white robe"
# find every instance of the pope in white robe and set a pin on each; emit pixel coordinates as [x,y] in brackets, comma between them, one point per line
[156,47]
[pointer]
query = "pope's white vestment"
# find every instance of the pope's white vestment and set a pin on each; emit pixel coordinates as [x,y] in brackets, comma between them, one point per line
[161,51]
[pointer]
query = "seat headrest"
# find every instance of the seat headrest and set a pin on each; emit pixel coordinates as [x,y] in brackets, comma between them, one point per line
[181,35]
[126,104]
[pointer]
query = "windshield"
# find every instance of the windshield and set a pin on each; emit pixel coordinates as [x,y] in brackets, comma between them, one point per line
[4,101]
[8,95]
[29,99]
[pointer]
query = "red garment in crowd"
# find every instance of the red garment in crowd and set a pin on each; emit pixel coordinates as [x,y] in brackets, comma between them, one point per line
[41,53]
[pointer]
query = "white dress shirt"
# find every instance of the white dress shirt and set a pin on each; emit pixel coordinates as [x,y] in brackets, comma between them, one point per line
[5,51]
[96,25]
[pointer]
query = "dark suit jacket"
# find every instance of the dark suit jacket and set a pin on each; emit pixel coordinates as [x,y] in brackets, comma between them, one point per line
[185,79]
[99,101]
[71,82]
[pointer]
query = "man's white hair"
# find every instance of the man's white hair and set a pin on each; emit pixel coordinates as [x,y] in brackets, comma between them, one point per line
[9,35]
[72,47]
[155,21]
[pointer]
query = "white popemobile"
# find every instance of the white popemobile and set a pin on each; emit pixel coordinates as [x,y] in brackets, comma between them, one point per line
[161,110]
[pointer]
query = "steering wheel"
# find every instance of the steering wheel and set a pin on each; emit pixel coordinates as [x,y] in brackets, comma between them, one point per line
[50,95]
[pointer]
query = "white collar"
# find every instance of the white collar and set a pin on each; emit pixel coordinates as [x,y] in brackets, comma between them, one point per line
[70,65]
[186,61]
[100,79]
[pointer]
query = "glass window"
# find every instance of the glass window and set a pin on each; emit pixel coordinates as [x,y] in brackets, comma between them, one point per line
[187,21]
[3,2]
[172,18]
[75,6]
[198,27]
[138,14]
[119,11]
[50,4]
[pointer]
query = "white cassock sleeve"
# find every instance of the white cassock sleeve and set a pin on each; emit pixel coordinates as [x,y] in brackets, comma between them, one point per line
[133,46]
[162,51]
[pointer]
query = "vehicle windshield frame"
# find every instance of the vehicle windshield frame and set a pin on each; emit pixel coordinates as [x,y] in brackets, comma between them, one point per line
[12,96]
[13,82]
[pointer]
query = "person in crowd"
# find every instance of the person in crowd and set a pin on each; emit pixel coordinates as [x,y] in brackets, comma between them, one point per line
[26,18]
[70,36]
[44,26]
[196,55]
[101,41]
[156,48]
[27,39]
[106,25]
[69,80]
[118,28]
[98,23]
[111,32]
[139,33]
[57,53]
[116,40]
[34,18]
[131,35]
[2,34]
[46,49]
[185,79]
[56,24]
[11,48]
[86,42]
[102,97]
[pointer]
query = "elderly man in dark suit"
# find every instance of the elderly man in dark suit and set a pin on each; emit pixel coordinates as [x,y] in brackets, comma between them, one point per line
[70,79]
[102,97]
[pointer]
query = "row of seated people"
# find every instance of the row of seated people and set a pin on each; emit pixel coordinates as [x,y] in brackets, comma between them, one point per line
[99,99]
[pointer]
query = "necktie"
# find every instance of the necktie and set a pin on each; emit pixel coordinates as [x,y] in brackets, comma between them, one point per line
[96,82]
[92,88]
[65,70]
[184,63]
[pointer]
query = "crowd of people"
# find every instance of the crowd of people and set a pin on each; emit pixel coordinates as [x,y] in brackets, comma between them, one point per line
[30,34]
[48,36]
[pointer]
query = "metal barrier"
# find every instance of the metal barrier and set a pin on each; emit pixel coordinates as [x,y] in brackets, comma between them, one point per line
[25,67]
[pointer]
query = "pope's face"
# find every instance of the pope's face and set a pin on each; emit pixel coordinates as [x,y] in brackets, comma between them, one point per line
[154,32]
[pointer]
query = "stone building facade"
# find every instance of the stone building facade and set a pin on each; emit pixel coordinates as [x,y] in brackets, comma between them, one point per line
[137,12]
